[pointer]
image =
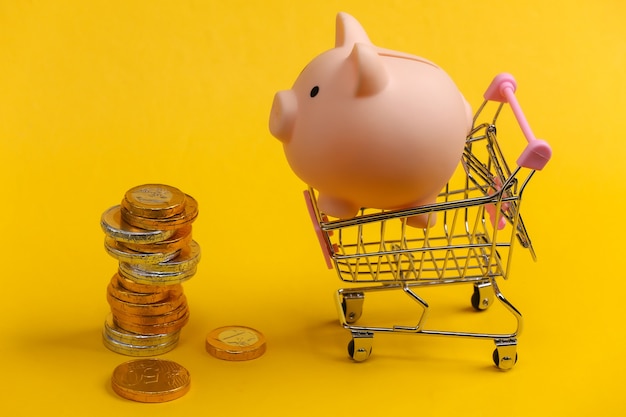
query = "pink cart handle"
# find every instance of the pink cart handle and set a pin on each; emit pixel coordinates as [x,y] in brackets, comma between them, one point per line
[537,153]
[318,230]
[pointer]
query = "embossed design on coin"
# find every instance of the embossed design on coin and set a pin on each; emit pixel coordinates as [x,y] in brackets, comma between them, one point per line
[150,380]
[154,201]
[235,343]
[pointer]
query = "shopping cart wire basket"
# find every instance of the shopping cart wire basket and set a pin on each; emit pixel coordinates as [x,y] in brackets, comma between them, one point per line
[478,224]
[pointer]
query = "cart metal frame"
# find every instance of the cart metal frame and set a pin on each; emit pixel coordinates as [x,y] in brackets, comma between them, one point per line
[478,224]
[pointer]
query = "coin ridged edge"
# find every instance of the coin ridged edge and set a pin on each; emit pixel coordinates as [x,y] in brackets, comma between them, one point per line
[225,351]
[136,235]
[187,216]
[136,339]
[137,350]
[147,396]
[173,206]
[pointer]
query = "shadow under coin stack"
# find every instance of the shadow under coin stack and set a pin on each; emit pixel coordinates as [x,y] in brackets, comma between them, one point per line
[149,234]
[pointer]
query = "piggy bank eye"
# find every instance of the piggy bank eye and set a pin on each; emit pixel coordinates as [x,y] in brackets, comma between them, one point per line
[314,91]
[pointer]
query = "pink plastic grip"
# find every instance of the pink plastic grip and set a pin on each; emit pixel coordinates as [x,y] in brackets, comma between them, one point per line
[537,153]
[318,230]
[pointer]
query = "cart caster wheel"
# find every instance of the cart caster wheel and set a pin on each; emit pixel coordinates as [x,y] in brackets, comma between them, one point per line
[505,357]
[482,298]
[352,306]
[360,347]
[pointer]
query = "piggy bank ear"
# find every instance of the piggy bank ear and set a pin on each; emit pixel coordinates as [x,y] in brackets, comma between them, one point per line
[349,31]
[372,76]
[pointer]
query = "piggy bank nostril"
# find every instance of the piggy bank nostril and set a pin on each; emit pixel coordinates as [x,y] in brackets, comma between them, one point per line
[283,114]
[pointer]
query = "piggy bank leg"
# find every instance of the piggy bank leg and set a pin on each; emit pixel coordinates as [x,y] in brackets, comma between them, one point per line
[422,221]
[336,207]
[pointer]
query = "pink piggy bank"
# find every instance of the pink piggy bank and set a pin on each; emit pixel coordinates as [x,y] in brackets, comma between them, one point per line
[371,127]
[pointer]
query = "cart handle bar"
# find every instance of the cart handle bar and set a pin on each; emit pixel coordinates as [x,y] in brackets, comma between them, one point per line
[538,152]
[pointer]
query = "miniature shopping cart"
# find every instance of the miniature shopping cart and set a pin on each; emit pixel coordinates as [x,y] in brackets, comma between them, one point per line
[478,223]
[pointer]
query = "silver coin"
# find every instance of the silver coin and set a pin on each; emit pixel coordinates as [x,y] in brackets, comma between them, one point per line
[137,350]
[143,276]
[113,226]
[187,259]
[123,254]
[121,336]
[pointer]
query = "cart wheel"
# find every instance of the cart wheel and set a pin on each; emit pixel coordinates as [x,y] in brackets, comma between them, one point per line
[482,297]
[508,361]
[352,306]
[360,347]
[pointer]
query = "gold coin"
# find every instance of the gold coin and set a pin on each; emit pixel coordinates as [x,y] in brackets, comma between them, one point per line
[163,328]
[116,333]
[171,303]
[127,281]
[117,290]
[137,350]
[154,201]
[156,278]
[187,216]
[149,320]
[180,239]
[150,380]
[235,343]
[187,259]
[116,228]
[123,254]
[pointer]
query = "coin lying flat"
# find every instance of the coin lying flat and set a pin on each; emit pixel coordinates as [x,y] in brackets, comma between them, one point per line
[117,290]
[123,254]
[171,303]
[180,239]
[141,276]
[235,343]
[154,201]
[150,380]
[187,259]
[114,332]
[113,226]
[149,320]
[174,271]
[162,328]
[130,284]
[129,349]
[187,216]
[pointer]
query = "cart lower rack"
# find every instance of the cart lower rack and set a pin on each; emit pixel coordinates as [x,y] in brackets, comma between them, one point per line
[478,223]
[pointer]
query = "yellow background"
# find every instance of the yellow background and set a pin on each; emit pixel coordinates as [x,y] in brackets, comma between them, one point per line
[99,96]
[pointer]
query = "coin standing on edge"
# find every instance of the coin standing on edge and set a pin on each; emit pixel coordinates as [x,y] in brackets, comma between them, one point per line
[235,343]
[150,380]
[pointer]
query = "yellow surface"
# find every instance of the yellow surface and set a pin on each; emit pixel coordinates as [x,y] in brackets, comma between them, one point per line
[99,96]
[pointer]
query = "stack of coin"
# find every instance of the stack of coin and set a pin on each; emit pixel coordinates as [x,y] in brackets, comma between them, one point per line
[149,234]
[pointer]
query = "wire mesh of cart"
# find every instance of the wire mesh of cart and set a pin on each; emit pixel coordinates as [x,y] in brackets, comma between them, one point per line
[478,224]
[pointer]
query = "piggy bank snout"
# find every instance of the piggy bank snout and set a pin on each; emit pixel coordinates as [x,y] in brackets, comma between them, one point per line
[283,114]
